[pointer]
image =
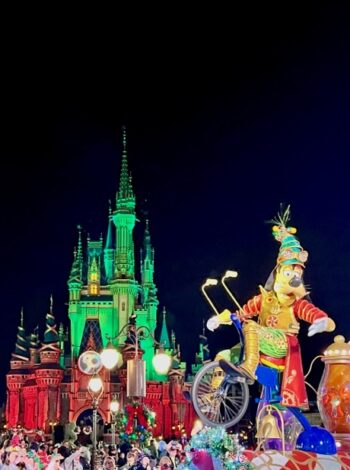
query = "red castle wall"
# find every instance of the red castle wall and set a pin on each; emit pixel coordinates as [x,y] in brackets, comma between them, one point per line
[39,397]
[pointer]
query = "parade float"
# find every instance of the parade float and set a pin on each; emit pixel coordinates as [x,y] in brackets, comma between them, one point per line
[270,354]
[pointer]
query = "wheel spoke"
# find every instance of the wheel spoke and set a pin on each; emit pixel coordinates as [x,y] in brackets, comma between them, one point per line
[217,401]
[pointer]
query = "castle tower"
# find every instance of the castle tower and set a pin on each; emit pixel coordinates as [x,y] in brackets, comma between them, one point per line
[34,347]
[30,392]
[16,378]
[124,287]
[203,354]
[49,375]
[109,251]
[75,284]
[147,315]
[164,335]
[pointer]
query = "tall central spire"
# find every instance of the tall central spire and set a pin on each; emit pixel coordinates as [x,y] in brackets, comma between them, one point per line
[125,183]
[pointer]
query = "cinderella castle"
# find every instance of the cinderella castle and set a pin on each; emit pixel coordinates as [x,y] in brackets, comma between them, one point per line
[45,386]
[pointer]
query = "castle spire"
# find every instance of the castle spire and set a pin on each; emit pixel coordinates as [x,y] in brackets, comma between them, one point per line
[204,352]
[21,352]
[147,238]
[125,182]
[50,335]
[124,219]
[164,336]
[108,252]
[109,239]
[80,249]
[34,338]
[76,271]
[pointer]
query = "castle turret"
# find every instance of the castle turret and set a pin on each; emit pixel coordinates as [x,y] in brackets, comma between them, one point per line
[164,335]
[109,251]
[75,285]
[17,376]
[49,374]
[94,266]
[75,280]
[20,357]
[124,219]
[124,287]
[34,346]
[203,354]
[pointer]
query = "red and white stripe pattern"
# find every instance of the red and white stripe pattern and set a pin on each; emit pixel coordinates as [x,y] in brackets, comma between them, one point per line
[298,460]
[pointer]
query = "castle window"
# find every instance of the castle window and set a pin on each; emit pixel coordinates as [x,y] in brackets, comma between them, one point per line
[123,306]
[93,277]
[93,289]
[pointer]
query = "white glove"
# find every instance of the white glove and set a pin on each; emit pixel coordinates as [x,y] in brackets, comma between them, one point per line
[213,323]
[318,326]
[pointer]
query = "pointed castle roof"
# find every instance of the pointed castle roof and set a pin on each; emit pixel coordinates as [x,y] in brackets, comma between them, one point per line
[164,336]
[50,335]
[77,265]
[21,352]
[110,239]
[125,182]
[34,338]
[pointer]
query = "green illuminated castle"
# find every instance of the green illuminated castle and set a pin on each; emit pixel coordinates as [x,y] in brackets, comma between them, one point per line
[45,384]
[103,289]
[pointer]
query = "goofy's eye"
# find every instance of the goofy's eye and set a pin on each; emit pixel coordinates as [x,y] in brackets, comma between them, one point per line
[287,273]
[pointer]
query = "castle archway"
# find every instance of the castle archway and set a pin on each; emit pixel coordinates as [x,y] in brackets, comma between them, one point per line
[84,421]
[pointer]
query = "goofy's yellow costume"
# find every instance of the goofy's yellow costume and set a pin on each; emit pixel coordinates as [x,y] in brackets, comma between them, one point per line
[272,340]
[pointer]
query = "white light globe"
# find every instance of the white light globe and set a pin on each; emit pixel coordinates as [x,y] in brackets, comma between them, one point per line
[110,357]
[114,406]
[161,363]
[95,384]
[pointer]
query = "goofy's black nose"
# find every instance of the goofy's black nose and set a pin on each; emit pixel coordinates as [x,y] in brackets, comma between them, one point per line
[295,281]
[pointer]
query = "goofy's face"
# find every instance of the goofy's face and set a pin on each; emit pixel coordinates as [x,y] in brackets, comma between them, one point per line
[288,284]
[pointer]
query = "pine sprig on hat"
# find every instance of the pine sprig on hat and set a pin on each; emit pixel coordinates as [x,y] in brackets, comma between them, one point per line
[290,251]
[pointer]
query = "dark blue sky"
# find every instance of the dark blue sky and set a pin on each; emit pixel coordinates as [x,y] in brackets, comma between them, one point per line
[222,127]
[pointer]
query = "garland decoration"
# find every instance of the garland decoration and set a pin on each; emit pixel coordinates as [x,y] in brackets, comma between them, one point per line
[221,446]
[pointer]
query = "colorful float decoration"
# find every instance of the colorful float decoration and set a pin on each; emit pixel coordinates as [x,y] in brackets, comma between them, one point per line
[270,348]
[333,395]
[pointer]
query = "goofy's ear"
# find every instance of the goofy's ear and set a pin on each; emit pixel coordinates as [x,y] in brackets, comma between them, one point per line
[270,280]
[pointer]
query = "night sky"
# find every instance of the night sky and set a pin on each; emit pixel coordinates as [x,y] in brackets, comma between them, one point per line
[222,128]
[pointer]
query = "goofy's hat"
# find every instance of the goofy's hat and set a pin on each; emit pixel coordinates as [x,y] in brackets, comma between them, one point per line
[290,251]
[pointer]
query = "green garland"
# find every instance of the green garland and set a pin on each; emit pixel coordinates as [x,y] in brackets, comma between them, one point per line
[220,445]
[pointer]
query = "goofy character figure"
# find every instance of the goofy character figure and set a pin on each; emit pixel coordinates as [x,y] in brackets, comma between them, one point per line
[283,301]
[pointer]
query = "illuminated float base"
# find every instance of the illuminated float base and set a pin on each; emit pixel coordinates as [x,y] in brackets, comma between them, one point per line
[299,460]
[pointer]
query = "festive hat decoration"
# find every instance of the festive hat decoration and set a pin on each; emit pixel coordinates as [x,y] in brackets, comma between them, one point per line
[290,251]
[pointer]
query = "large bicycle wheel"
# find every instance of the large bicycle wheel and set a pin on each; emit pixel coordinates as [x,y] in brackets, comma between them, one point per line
[218,399]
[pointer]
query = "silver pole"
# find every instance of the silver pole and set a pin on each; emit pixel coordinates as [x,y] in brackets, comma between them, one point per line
[94,435]
[113,432]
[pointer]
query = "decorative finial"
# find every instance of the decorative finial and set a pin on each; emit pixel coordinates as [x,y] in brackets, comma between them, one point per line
[124,138]
[79,253]
[164,312]
[51,303]
[109,207]
[22,320]
[203,327]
